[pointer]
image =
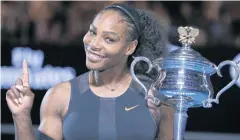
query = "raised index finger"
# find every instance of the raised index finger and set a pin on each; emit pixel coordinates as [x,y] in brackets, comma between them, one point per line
[25,77]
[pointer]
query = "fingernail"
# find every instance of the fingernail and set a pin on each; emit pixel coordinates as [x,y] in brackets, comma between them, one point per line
[19,87]
[16,101]
[24,62]
[20,100]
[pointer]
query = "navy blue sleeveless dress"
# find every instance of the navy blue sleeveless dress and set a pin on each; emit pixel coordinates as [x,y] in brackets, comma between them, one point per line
[90,117]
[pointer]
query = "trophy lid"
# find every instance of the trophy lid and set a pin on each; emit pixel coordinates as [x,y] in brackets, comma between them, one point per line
[186,57]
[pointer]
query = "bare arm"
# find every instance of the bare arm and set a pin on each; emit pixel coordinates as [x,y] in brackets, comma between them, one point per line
[166,123]
[20,100]
[52,108]
[23,128]
[51,114]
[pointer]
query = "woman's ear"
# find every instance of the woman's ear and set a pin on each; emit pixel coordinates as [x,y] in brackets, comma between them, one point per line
[131,47]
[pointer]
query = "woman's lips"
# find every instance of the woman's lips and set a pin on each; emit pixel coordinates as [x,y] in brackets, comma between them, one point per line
[93,56]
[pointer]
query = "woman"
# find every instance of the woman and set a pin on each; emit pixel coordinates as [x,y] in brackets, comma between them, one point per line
[105,103]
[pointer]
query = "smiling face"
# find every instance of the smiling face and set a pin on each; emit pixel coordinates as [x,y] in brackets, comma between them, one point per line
[106,44]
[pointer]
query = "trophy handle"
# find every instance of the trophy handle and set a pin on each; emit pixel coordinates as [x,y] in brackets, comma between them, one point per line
[150,66]
[208,103]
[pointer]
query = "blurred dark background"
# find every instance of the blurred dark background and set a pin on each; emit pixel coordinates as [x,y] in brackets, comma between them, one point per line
[64,22]
[56,29]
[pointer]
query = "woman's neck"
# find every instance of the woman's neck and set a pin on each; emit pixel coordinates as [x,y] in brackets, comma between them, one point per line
[112,77]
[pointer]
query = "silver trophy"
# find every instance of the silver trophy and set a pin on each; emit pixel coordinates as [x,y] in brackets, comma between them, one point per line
[187,80]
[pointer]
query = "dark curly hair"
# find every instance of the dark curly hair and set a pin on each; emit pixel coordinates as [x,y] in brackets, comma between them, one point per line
[151,40]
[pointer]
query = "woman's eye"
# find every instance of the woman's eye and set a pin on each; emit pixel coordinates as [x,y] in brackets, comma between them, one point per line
[109,40]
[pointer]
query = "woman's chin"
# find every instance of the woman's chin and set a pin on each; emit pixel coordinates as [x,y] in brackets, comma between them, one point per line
[94,66]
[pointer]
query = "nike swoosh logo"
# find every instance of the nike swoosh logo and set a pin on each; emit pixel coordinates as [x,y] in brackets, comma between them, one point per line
[130,108]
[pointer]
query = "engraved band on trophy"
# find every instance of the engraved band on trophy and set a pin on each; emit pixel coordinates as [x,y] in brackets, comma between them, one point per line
[187,82]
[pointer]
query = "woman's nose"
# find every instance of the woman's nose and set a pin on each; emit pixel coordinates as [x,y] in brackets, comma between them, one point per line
[95,44]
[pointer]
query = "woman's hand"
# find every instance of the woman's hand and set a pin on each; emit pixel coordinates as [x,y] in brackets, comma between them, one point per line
[20,97]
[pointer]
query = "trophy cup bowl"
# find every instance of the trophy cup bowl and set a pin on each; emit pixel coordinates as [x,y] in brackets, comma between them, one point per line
[187,81]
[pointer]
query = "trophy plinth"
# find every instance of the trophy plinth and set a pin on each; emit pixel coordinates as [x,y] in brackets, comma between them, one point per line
[187,81]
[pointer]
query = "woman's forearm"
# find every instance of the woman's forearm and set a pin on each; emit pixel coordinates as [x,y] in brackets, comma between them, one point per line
[23,128]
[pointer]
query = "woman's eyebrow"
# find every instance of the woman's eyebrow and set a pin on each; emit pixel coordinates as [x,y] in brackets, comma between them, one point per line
[113,33]
[106,32]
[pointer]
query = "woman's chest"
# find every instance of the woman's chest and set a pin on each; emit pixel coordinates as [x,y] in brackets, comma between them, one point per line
[110,119]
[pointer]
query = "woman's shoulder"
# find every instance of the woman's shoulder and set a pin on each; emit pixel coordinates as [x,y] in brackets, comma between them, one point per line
[58,93]
[61,88]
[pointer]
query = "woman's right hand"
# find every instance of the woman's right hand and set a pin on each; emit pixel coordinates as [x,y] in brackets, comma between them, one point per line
[20,97]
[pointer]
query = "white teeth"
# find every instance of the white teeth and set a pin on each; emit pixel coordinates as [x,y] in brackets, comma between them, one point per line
[94,57]
[91,56]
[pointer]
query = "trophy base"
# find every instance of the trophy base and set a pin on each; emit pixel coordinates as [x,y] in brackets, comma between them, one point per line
[181,105]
